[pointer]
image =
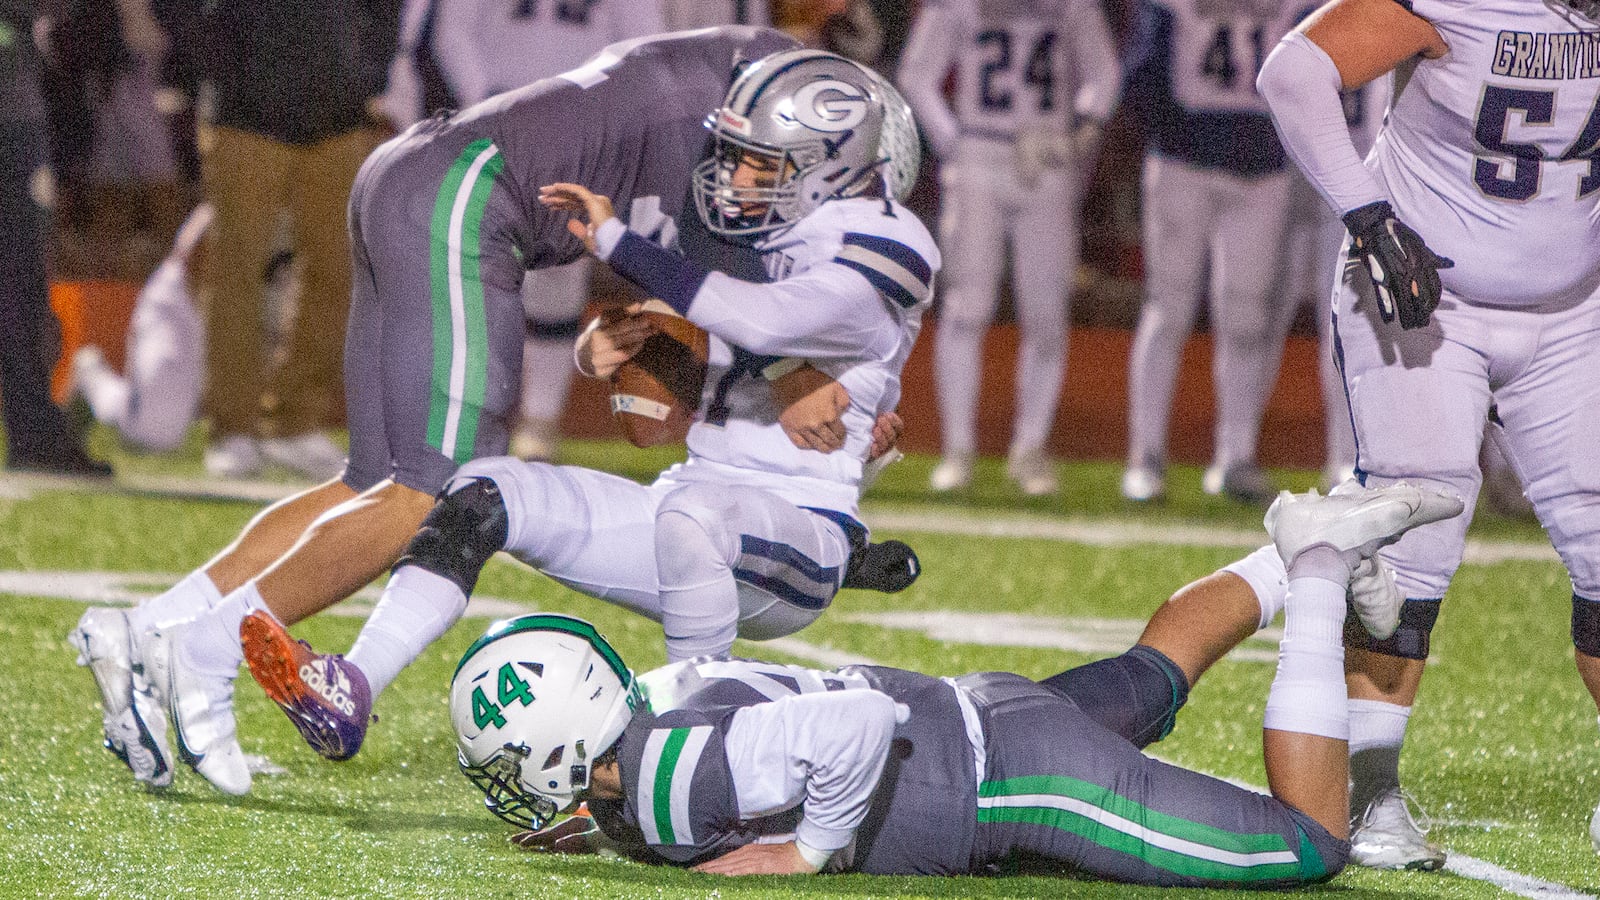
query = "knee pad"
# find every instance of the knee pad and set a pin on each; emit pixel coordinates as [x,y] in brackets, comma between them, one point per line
[466,527]
[1586,625]
[1410,640]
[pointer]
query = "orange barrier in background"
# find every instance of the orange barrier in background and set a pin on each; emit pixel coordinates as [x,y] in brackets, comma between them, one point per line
[91,312]
[1092,423]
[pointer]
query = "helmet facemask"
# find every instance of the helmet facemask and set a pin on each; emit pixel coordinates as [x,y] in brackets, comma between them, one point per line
[1583,14]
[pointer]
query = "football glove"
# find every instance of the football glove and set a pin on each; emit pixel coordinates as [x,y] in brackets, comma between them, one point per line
[1405,273]
[570,835]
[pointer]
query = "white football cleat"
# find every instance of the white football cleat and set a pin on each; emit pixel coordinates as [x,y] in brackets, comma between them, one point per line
[312,454]
[135,732]
[200,707]
[235,456]
[1388,836]
[953,473]
[1354,523]
[536,440]
[1242,482]
[1375,598]
[1034,472]
[1143,484]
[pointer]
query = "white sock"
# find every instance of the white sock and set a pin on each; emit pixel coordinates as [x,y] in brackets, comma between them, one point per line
[1263,571]
[958,362]
[416,609]
[187,599]
[212,643]
[1308,694]
[1374,723]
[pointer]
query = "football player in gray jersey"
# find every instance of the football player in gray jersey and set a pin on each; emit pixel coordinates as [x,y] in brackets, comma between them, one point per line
[752,535]
[445,220]
[743,767]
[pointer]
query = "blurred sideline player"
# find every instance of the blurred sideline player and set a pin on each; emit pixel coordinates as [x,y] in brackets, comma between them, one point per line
[1034,82]
[444,220]
[155,401]
[1489,153]
[483,48]
[1215,200]
[752,536]
[741,767]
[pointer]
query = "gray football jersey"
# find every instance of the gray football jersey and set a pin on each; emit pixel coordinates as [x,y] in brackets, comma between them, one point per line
[922,815]
[615,126]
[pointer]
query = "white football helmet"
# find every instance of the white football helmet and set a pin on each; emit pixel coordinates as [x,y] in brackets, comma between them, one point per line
[534,701]
[815,117]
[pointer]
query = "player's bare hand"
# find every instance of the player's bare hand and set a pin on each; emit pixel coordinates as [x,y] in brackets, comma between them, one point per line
[590,210]
[759,859]
[813,405]
[570,835]
[612,340]
[886,433]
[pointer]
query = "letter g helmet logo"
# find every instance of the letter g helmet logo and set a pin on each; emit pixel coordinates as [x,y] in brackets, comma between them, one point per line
[830,105]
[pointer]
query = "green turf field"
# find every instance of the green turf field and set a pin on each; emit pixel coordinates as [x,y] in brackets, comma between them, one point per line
[1504,750]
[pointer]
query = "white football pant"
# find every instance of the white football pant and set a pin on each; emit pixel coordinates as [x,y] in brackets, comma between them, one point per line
[707,561]
[1199,221]
[988,205]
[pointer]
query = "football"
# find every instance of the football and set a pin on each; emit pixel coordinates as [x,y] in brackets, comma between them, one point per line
[654,394]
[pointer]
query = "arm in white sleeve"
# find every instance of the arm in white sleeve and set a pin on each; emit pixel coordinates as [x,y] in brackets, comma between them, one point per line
[830,311]
[824,749]
[1301,85]
[461,60]
[1094,57]
[923,64]
[402,100]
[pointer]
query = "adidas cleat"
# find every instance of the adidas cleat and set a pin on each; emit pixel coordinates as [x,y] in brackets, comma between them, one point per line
[135,731]
[200,708]
[324,695]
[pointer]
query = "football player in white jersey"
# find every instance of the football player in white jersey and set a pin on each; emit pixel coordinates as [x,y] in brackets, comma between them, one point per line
[155,401]
[484,47]
[1034,81]
[1216,199]
[1488,159]
[752,535]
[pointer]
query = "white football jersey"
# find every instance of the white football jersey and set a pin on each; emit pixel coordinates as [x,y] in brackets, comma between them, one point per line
[1492,151]
[1018,64]
[851,281]
[1218,47]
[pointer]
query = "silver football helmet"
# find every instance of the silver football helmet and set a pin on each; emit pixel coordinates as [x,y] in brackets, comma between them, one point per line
[1586,9]
[813,120]
[534,702]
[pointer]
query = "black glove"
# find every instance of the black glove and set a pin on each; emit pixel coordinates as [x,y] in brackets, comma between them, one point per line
[888,567]
[1405,273]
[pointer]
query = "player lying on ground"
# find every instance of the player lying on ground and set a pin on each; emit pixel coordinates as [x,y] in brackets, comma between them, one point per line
[445,221]
[1472,299]
[752,536]
[742,767]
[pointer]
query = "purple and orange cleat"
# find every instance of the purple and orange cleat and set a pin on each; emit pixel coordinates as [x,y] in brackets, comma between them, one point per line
[323,694]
